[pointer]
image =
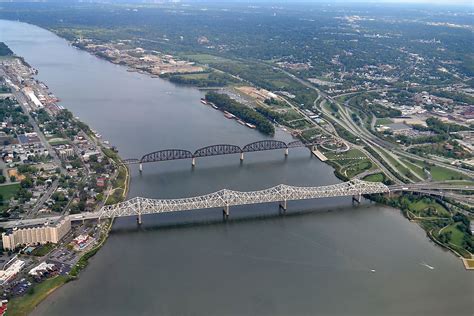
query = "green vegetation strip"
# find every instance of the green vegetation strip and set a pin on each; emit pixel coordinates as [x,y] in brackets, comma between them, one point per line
[439,173]
[23,305]
[376,177]
[247,114]
[43,250]
[6,193]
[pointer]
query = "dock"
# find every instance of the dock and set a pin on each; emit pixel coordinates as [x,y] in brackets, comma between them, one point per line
[319,155]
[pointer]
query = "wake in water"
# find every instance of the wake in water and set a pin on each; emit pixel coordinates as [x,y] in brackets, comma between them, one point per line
[427,265]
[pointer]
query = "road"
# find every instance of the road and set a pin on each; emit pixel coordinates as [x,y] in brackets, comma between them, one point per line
[382,147]
[22,100]
[440,189]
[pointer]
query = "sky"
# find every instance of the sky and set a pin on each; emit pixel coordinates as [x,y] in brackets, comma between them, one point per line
[434,2]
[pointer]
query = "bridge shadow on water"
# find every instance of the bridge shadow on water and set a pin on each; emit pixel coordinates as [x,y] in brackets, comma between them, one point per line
[210,217]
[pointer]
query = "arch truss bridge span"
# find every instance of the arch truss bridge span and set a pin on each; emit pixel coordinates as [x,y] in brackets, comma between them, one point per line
[215,150]
[226,198]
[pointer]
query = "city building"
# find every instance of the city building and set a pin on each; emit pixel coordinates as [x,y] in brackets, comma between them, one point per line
[67,152]
[42,234]
[42,268]
[10,270]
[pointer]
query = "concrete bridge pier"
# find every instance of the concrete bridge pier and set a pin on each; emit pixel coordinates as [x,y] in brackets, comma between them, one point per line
[282,206]
[193,162]
[286,151]
[241,156]
[357,198]
[139,219]
[140,167]
[225,212]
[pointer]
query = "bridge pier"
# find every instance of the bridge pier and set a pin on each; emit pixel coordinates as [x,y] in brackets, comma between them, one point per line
[225,212]
[241,156]
[193,162]
[282,206]
[286,151]
[140,167]
[139,219]
[357,198]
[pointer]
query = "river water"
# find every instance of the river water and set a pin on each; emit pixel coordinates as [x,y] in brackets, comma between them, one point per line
[315,260]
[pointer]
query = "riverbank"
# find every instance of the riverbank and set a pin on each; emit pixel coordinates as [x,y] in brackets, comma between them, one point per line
[346,165]
[24,305]
[138,115]
[118,186]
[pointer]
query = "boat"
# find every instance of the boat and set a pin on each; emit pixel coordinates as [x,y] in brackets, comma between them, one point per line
[250,125]
[214,106]
[229,115]
[241,122]
[203,101]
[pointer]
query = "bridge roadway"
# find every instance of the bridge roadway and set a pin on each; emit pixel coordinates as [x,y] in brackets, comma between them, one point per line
[225,198]
[215,150]
[282,193]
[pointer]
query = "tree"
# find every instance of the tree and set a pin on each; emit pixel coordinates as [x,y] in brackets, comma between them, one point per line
[26,183]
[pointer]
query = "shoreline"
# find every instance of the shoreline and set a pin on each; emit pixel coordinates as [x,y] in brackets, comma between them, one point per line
[328,162]
[336,170]
[126,188]
[38,295]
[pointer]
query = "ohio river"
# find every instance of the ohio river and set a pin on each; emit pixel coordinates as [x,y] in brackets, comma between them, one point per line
[309,262]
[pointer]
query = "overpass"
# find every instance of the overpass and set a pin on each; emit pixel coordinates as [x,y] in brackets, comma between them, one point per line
[215,150]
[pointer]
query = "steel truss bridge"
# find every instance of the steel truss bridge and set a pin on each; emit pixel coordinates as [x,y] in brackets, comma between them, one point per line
[282,193]
[215,150]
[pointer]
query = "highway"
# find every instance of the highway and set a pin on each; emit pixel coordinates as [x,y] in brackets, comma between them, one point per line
[382,147]
[343,125]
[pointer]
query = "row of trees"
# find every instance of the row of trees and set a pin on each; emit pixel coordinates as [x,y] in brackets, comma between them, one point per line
[243,112]
[213,79]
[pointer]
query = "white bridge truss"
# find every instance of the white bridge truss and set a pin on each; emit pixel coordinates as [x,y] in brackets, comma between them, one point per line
[225,198]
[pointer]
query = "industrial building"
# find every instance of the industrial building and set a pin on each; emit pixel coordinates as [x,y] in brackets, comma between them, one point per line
[11,270]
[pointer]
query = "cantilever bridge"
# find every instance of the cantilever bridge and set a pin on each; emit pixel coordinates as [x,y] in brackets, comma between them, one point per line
[215,150]
[225,198]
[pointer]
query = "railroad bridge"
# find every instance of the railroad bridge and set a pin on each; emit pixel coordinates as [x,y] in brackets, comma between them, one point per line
[224,199]
[215,150]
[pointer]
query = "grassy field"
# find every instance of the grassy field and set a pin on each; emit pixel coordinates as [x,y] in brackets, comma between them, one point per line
[400,168]
[439,173]
[58,141]
[376,177]
[421,207]
[8,191]
[205,58]
[204,75]
[383,121]
[457,235]
[350,163]
[354,169]
[23,305]
[416,169]
[42,250]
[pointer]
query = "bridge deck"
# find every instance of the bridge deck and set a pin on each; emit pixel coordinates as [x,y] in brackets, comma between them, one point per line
[225,198]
